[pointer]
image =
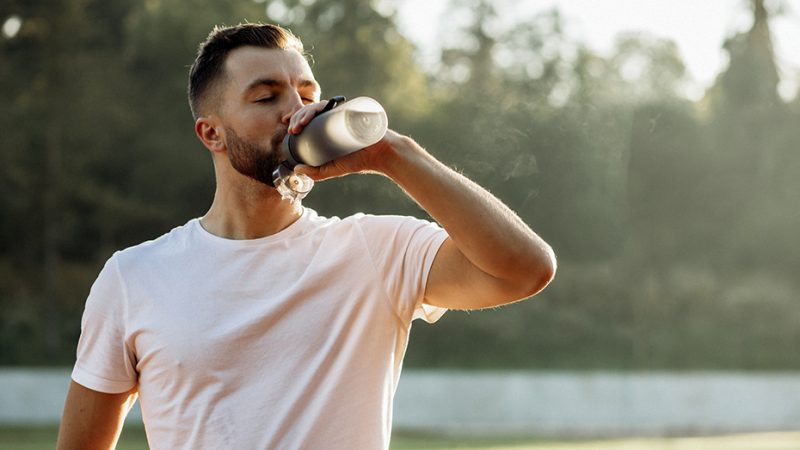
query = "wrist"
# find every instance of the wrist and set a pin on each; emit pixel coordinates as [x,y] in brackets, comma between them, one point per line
[400,155]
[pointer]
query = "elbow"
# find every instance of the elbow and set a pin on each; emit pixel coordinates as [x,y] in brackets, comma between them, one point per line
[539,273]
[530,276]
[546,275]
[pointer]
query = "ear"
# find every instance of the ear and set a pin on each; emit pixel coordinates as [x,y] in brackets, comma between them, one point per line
[211,134]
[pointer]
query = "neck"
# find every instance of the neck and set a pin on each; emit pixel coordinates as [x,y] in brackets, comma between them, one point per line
[248,209]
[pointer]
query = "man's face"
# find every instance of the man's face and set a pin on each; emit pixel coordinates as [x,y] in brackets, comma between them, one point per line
[262,89]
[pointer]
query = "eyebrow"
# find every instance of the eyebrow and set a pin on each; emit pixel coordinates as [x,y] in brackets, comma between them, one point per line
[270,82]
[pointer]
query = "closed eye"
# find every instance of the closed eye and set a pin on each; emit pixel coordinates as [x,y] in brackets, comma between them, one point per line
[265,100]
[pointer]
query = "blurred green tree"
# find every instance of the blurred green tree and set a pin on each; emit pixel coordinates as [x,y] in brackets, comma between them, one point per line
[59,116]
[752,185]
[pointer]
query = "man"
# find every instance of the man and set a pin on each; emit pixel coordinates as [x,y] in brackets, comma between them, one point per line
[262,325]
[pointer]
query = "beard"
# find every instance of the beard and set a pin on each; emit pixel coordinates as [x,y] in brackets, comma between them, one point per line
[254,160]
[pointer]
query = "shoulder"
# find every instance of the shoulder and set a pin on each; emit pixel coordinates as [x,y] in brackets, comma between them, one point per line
[374,229]
[370,220]
[361,223]
[379,230]
[390,223]
[176,240]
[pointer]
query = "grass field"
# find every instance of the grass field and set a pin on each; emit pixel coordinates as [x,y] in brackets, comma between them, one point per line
[134,439]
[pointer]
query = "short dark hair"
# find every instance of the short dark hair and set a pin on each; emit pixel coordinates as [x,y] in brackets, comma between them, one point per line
[208,66]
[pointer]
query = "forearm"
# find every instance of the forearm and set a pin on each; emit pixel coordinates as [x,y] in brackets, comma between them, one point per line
[487,232]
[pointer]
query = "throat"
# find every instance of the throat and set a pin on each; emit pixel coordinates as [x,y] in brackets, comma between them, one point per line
[250,217]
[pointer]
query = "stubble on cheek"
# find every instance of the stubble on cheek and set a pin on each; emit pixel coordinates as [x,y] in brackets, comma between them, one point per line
[255,161]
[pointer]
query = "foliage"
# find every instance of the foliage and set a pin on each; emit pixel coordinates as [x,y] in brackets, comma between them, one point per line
[673,220]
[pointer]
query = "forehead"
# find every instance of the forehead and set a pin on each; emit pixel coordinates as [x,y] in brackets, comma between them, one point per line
[244,65]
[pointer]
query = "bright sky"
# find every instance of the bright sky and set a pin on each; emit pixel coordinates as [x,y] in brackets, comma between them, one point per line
[699,27]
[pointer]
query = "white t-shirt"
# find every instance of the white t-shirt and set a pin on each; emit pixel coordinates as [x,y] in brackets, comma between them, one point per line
[291,341]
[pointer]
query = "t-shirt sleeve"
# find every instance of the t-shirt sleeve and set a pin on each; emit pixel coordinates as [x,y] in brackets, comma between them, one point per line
[403,250]
[104,361]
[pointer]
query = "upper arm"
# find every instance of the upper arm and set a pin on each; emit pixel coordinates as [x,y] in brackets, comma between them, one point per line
[92,419]
[455,283]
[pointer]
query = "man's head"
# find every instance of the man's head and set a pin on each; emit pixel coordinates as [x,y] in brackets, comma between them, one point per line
[244,87]
[208,70]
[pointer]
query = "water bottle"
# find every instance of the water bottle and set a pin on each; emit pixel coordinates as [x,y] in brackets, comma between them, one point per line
[339,129]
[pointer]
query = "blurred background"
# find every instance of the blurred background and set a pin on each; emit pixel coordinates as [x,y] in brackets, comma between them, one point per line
[655,145]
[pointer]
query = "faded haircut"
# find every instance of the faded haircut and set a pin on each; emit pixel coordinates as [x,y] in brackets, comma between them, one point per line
[209,65]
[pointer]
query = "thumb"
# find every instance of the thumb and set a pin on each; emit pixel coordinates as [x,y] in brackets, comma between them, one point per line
[323,172]
[350,163]
[306,170]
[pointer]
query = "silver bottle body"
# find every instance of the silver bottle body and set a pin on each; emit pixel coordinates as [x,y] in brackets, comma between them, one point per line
[344,129]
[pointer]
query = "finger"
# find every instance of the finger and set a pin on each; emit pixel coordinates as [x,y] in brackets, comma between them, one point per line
[307,116]
[332,169]
[299,120]
[304,115]
[306,170]
[315,173]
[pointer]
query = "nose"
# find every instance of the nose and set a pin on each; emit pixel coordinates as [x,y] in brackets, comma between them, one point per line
[293,104]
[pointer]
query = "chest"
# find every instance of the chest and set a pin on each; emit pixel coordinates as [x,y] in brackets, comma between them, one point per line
[273,309]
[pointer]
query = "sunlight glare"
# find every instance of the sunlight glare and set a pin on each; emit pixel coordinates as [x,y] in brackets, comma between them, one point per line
[11,26]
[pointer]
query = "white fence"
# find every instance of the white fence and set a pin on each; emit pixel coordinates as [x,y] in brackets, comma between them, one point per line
[597,403]
[524,403]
